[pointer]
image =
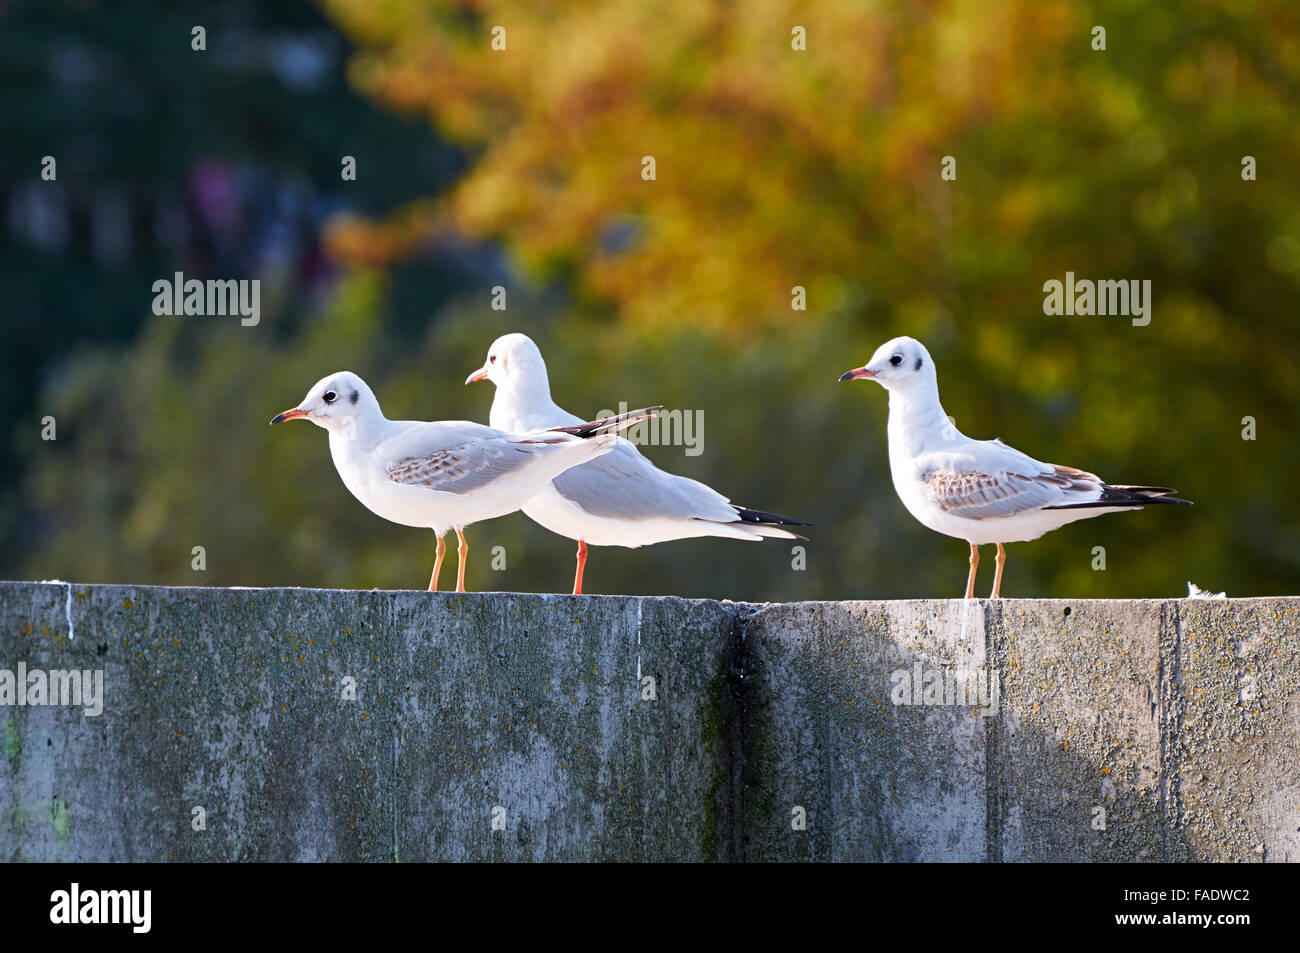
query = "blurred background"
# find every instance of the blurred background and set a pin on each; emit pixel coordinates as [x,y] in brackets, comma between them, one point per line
[774,168]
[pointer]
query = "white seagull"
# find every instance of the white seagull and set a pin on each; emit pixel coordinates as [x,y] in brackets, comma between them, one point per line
[622,499]
[981,491]
[446,474]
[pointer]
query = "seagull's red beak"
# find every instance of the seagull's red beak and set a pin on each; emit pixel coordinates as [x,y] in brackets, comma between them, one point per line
[858,374]
[293,414]
[478,375]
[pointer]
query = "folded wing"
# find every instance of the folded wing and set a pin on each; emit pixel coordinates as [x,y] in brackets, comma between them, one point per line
[1001,482]
[623,484]
[456,457]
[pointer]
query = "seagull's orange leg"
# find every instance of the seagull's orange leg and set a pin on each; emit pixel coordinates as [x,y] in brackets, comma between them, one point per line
[437,565]
[462,554]
[974,564]
[997,577]
[582,564]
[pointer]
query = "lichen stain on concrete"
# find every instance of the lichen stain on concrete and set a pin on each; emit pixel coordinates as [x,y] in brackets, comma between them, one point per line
[55,810]
[60,820]
[13,742]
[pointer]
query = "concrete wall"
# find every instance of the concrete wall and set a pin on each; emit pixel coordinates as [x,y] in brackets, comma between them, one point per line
[1180,720]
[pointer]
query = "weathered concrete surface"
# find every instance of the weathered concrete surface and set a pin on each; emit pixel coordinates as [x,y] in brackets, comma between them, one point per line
[231,700]
[1179,720]
[876,781]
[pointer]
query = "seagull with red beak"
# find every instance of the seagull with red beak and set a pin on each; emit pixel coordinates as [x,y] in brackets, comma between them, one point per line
[621,499]
[446,474]
[981,491]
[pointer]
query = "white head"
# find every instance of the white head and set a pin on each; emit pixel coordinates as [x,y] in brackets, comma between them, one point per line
[513,361]
[902,365]
[334,401]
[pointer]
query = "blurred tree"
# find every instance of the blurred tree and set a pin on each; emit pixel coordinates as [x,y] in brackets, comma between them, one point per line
[221,162]
[820,168]
[774,168]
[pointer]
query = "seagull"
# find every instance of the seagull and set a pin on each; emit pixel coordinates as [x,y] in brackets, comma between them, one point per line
[621,499]
[981,491]
[446,474]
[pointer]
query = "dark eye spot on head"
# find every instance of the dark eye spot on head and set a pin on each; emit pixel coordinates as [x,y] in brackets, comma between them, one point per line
[353,397]
[330,397]
[896,360]
[917,365]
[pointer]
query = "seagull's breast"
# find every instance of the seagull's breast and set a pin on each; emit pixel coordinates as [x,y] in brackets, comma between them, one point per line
[351,465]
[905,472]
[366,477]
[919,498]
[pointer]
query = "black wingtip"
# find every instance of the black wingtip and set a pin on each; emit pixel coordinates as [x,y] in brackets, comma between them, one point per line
[1141,494]
[772,519]
[1114,496]
[618,422]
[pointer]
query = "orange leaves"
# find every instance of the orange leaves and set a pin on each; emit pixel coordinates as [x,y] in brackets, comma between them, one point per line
[781,163]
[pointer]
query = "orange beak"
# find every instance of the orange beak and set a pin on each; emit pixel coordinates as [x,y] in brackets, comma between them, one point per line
[858,374]
[293,414]
[478,375]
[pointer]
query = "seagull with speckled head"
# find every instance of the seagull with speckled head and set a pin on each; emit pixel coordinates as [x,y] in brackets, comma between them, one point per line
[982,491]
[620,499]
[444,474]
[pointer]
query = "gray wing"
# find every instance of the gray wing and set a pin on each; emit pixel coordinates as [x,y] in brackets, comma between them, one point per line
[623,484]
[454,456]
[993,484]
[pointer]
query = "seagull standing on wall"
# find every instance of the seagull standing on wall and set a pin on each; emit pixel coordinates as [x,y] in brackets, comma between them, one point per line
[622,499]
[981,491]
[446,474]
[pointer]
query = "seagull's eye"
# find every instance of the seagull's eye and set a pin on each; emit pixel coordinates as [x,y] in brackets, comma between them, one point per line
[896,360]
[492,359]
[330,397]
